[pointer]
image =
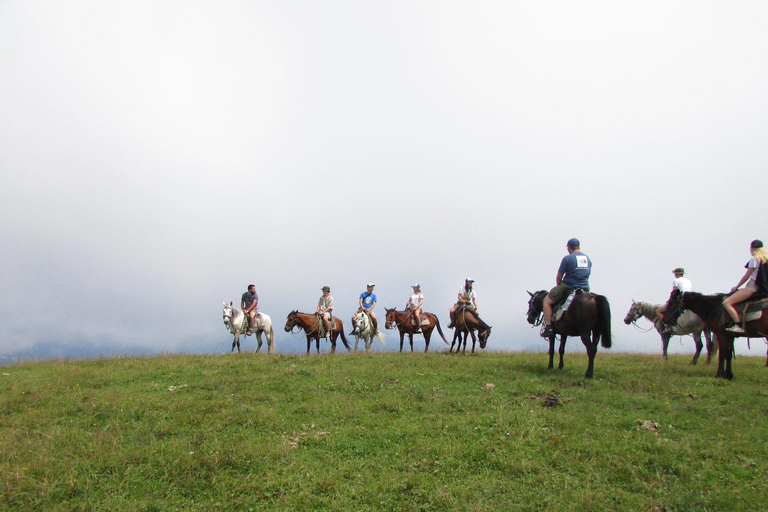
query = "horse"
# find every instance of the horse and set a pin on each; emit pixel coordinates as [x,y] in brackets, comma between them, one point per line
[237,323]
[310,322]
[466,323]
[688,323]
[364,329]
[710,309]
[589,316]
[404,322]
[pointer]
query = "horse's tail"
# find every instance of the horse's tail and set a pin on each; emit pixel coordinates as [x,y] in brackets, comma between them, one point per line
[271,338]
[344,338]
[380,335]
[603,320]
[437,324]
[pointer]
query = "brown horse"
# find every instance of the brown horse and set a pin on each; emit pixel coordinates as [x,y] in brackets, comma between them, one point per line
[589,316]
[710,309]
[466,323]
[405,324]
[310,322]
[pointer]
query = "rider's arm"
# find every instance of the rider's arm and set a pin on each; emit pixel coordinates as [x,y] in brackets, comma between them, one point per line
[744,279]
[373,305]
[360,303]
[421,301]
[461,297]
[559,278]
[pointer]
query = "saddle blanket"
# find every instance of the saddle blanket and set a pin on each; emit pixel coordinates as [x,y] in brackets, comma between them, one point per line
[424,321]
[754,310]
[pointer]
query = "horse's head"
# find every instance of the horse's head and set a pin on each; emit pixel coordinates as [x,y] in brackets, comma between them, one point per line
[228,313]
[483,336]
[674,309]
[535,306]
[633,314]
[390,320]
[292,320]
[361,322]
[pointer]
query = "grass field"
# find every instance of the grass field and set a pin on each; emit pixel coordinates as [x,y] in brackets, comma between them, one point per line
[388,431]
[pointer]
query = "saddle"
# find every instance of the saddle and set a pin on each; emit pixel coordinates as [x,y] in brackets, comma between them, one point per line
[752,310]
[424,320]
[321,330]
[257,324]
[563,305]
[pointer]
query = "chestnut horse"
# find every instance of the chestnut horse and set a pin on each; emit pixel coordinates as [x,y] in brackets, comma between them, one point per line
[710,309]
[466,323]
[589,316]
[310,322]
[404,322]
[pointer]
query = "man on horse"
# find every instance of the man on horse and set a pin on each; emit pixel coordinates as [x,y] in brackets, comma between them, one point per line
[573,273]
[366,303]
[325,308]
[414,304]
[249,303]
[680,283]
[467,299]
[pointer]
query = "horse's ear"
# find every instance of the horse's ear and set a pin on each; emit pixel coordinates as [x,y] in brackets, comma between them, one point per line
[230,303]
[225,304]
[529,293]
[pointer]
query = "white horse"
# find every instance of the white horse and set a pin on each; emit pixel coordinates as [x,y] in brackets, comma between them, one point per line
[364,329]
[237,323]
[687,323]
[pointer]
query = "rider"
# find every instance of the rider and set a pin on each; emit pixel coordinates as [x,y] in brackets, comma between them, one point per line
[574,272]
[757,265]
[467,298]
[325,308]
[414,304]
[249,303]
[366,303]
[680,283]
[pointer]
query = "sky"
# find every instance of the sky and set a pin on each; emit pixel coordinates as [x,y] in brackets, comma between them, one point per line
[158,157]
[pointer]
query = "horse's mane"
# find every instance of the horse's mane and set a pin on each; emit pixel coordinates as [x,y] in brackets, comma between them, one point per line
[709,304]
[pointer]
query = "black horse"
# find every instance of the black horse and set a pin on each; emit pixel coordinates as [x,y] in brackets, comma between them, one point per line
[466,323]
[710,309]
[588,316]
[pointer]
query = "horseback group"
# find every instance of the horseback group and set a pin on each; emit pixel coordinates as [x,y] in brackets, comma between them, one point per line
[739,313]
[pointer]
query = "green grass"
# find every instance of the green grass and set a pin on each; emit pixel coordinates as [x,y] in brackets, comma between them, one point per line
[382,432]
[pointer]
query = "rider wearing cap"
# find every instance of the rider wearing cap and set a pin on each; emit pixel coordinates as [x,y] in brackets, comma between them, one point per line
[325,307]
[574,272]
[680,283]
[414,304]
[467,298]
[366,303]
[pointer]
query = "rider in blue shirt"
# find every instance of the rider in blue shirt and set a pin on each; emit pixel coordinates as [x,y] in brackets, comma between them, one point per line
[366,303]
[249,303]
[574,272]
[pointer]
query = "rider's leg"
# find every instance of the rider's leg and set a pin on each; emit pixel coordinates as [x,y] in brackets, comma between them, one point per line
[375,322]
[547,308]
[738,296]
[251,315]
[452,313]
[417,313]
[327,320]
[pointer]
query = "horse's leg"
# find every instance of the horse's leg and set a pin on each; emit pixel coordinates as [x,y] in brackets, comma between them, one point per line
[591,352]
[551,352]
[472,333]
[561,351]
[402,339]
[665,345]
[720,356]
[728,359]
[410,340]
[309,343]
[317,342]
[699,346]
[258,339]
[710,345]
[427,336]
[766,353]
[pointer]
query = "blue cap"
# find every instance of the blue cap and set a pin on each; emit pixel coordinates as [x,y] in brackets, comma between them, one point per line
[574,242]
[416,286]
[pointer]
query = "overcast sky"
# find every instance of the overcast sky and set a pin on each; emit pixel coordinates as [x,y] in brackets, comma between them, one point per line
[157,157]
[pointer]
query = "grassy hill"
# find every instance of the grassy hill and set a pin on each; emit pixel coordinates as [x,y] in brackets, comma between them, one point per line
[387,431]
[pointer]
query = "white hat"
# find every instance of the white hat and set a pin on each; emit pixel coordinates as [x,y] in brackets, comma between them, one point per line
[416,286]
[369,285]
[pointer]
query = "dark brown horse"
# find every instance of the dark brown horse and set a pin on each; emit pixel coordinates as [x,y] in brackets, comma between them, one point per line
[465,324]
[710,309]
[310,322]
[405,324]
[588,316]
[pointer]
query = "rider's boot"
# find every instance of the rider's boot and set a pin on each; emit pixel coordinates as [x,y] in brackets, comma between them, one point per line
[548,331]
[450,325]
